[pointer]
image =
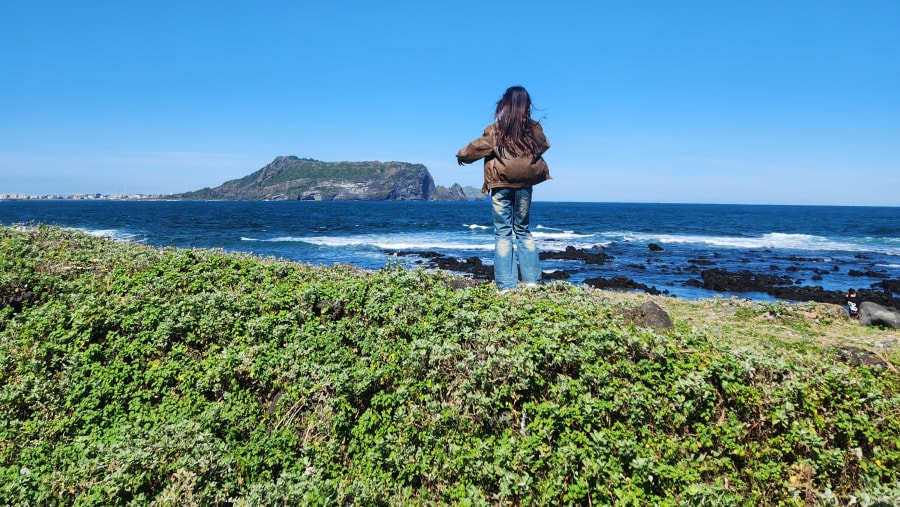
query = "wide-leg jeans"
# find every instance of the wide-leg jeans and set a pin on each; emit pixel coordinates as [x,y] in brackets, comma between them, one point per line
[513,243]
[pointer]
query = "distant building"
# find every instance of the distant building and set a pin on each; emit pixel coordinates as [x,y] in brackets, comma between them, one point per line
[78,197]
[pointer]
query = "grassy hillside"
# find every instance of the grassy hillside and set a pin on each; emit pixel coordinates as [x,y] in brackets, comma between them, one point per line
[288,177]
[138,376]
[293,168]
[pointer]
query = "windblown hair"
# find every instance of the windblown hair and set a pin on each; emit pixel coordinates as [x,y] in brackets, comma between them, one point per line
[515,128]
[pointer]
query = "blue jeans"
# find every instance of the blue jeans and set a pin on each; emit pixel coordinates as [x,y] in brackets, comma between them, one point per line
[511,207]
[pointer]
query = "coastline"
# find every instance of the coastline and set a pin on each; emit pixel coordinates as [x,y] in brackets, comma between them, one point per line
[733,283]
[764,253]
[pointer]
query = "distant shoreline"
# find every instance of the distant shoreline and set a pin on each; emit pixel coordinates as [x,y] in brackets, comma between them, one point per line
[82,197]
[169,198]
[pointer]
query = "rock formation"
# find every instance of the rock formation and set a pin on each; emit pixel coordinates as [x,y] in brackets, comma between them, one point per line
[292,178]
[648,314]
[873,314]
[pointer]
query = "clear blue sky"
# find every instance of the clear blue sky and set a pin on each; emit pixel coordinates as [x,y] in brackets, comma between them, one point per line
[772,102]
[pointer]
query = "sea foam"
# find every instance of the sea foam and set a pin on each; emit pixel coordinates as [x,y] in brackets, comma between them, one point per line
[113,234]
[774,240]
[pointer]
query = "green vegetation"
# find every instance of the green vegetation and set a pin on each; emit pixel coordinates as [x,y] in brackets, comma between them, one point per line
[473,193]
[302,168]
[138,376]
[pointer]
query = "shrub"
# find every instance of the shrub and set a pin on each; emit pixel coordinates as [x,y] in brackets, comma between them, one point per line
[163,376]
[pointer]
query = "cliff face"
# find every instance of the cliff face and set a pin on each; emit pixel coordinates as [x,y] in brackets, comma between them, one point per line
[454,193]
[292,178]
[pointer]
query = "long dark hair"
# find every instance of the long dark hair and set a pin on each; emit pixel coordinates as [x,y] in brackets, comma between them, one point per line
[515,128]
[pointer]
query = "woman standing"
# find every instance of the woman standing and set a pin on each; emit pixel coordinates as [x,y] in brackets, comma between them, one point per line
[512,149]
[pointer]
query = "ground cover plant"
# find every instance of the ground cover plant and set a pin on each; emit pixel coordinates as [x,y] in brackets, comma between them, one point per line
[132,375]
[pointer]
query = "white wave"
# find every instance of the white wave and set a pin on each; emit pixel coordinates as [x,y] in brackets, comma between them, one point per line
[774,240]
[561,235]
[390,242]
[551,239]
[113,234]
[430,242]
[559,246]
[542,232]
[887,240]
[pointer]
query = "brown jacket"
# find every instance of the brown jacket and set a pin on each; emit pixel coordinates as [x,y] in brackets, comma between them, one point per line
[507,172]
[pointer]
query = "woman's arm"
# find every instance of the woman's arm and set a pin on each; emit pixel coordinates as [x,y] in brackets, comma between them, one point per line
[477,149]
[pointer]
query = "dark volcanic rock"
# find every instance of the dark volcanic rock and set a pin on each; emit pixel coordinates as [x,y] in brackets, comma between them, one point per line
[816,293]
[434,260]
[870,274]
[783,287]
[654,247]
[559,274]
[890,286]
[458,283]
[856,356]
[471,265]
[577,254]
[620,283]
[745,281]
[648,314]
[15,298]
[334,310]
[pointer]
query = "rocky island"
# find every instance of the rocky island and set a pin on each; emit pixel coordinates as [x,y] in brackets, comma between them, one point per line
[293,178]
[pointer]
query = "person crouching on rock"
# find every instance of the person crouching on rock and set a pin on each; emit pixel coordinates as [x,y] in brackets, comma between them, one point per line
[852,300]
[512,149]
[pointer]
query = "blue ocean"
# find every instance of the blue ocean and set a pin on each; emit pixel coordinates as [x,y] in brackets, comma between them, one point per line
[833,247]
